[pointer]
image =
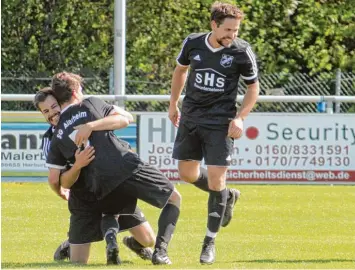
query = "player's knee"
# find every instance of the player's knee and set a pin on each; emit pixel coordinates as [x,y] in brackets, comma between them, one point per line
[175,198]
[216,186]
[187,176]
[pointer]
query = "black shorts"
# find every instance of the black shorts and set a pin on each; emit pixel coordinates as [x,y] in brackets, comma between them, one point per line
[195,142]
[150,185]
[127,222]
[86,213]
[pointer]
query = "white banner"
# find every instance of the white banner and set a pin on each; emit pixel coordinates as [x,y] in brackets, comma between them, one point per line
[21,151]
[274,147]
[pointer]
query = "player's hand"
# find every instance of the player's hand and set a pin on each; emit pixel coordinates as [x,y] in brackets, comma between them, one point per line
[64,193]
[235,129]
[84,157]
[83,134]
[174,114]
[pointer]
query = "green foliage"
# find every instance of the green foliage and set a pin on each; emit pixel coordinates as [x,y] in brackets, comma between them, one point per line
[288,36]
[47,36]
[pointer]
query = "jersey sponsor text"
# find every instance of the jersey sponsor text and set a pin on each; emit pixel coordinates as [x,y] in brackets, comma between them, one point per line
[74,118]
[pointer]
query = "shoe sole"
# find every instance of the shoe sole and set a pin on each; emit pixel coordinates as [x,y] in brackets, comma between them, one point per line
[161,263]
[206,263]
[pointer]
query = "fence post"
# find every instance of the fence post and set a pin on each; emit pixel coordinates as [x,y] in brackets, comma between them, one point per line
[111,86]
[330,107]
[337,89]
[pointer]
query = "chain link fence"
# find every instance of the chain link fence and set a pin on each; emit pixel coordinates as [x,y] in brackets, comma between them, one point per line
[339,83]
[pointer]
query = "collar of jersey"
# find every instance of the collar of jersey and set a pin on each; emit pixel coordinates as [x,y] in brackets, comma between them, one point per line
[66,108]
[210,47]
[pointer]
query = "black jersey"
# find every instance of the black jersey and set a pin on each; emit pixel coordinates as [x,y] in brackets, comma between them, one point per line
[46,140]
[113,163]
[79,185]
[212,82]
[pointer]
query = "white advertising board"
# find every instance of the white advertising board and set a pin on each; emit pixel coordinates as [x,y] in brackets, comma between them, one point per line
[21,151]
[274,147]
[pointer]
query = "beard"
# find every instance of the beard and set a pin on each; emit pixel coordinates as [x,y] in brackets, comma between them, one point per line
[220,42]
[53,120]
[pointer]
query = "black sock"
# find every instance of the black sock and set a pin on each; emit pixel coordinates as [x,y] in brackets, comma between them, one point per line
[167,222]
[134,243]
[216,208]
[202,181]
[109,227]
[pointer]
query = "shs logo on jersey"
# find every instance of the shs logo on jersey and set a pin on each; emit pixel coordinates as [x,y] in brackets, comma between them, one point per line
[208,79]
[226,60]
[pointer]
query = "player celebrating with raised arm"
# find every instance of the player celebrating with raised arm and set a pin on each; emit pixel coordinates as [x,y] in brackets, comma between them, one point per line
[209,121]
[143,235]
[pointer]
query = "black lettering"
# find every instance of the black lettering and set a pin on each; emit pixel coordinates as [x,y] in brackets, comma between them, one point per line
[287,131]
[298,134]
[8,141]
[273,131]
[23,141]
[6,156]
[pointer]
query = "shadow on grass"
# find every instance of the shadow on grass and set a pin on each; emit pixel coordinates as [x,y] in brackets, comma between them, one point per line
[294,261]
[57,265]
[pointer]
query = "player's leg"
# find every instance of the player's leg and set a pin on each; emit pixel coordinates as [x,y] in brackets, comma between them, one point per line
[189,152]
[216,207]
[143,236]
[85,227]
[150,185]
[217,148]
[79,253]
[110,228]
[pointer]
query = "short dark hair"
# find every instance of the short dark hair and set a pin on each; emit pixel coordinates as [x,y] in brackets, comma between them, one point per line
[41,96]
[221,11]
[64,84]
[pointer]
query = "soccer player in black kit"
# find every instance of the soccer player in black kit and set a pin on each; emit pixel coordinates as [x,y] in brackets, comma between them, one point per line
[94,226]
[115,167]
[209,121]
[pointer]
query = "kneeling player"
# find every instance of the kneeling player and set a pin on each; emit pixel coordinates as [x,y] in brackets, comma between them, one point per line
[143,235]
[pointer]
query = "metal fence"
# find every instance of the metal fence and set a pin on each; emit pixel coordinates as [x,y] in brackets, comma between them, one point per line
[298,84]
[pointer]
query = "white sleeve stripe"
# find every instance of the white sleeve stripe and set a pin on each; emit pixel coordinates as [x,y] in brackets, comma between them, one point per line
[251,56]
[252,60]
[55,166]
[249,78]
[48,146]
[44,147]
[177,61]
[183,45]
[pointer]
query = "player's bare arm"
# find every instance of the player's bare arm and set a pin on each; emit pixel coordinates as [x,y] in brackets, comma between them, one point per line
[82,159]
[118,118]
[121,111]
[177,85]
[236,126]
[53,181]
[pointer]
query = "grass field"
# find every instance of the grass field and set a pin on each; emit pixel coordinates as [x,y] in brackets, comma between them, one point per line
[276,227]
